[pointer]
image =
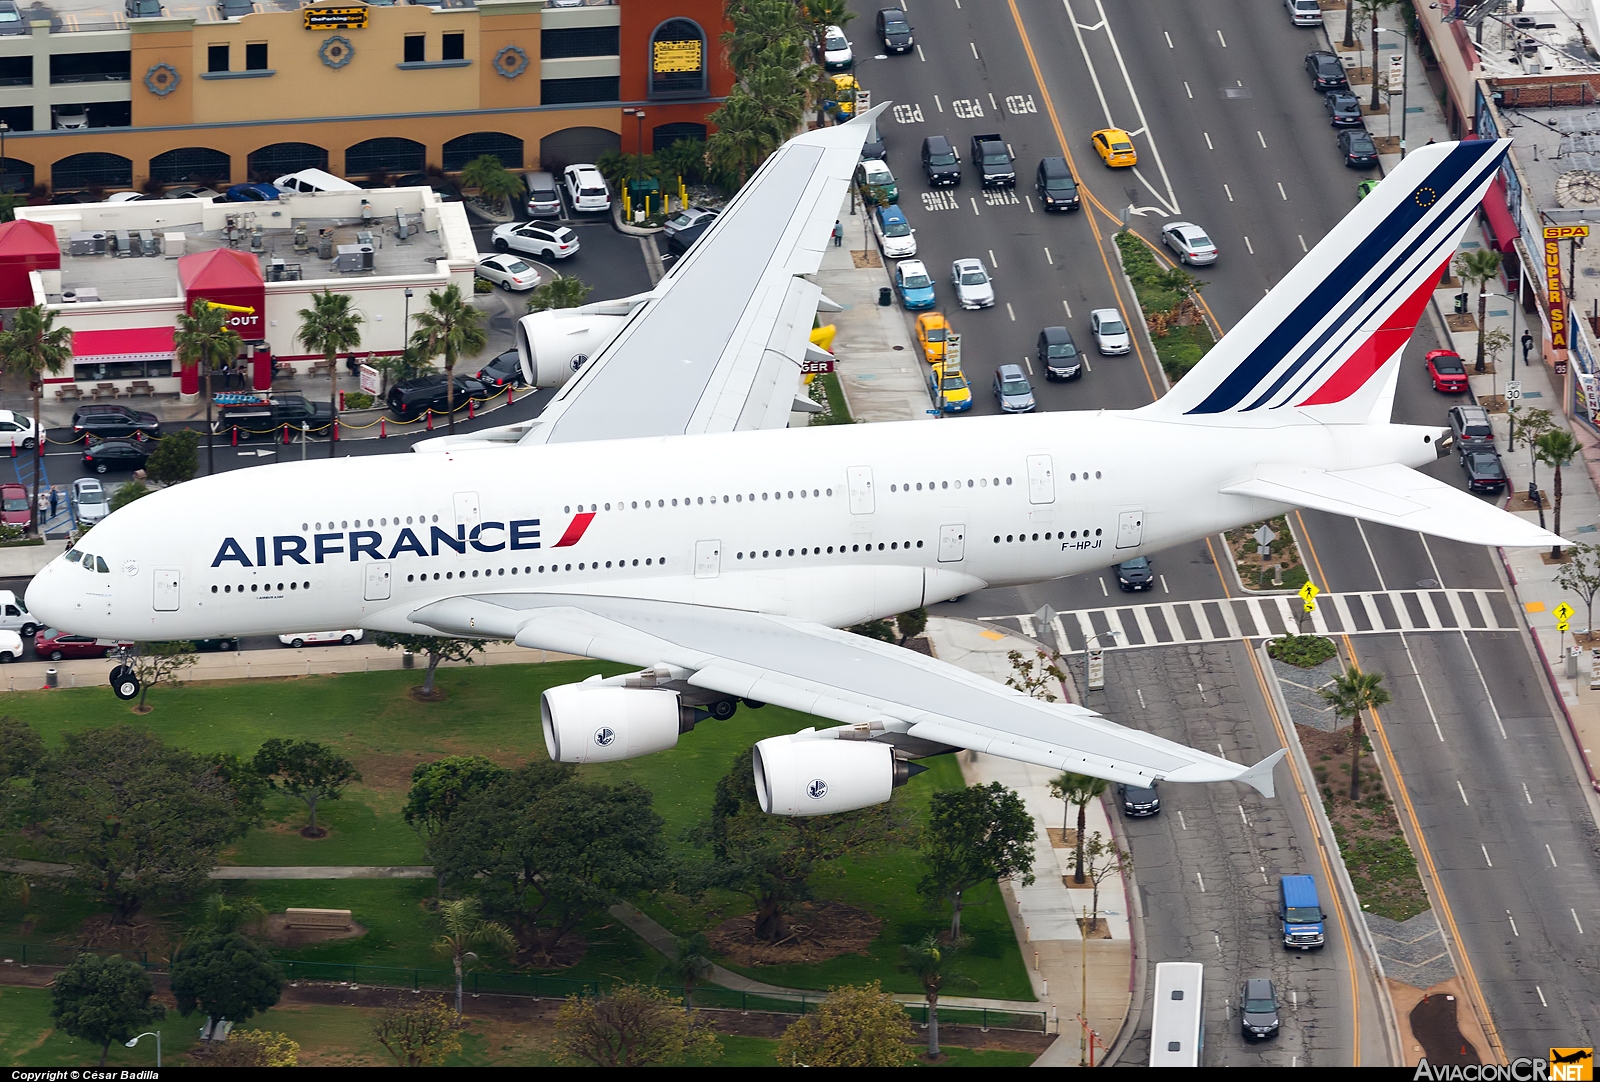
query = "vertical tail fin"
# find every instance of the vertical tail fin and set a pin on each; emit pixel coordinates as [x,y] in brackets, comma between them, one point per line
[1323,347]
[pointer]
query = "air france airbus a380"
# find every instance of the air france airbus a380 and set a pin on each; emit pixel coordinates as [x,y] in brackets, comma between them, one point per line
[660,514]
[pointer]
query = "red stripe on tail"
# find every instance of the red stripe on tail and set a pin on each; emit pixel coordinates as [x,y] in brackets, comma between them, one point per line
[1371,355]
[574,534]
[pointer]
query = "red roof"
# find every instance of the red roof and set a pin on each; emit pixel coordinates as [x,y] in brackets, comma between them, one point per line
[130,342]
[220,268]
[23,238]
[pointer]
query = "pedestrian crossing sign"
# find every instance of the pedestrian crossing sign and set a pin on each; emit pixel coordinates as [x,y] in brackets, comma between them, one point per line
[1308,594]
[1563,615]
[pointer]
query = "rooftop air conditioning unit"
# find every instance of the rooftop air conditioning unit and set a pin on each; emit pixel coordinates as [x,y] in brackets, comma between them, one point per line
[354,257]
[87,243]
[172,245]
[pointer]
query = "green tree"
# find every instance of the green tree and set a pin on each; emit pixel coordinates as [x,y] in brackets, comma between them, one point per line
[1101,856]
[975,834]
[934,965]
[561,291]
[743,138]
[9,202]
[436,648]
[33,348]
[176,457]
[203,338]
[1369,11]
[882,630]
[159,662]
[1557,448]
[1351,694]
[132,816]
[244,784]
[407,364]
[21,752]
[911,624]
[225,976]
[544,849]
[760,26]
[222,915]
[854,1027]
[633,1025]
[452,327]
[1077,789]
[495,183]
[424,1035]
[1580,575]
[331,326]
[465,928]
[129,491]
[101,1000]
[1529,428]
[818,15]
[1478,268]
[440,787]
[306,770]
[255,1048]
[689,965]
[773,859]
[684,158]
[1035,676]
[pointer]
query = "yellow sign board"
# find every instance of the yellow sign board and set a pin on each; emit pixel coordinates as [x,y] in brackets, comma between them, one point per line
[342,18]
[1555,294]
[669,56]
[1562,611]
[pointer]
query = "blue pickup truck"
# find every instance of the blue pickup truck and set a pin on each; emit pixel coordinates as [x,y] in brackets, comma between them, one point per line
[1301,913]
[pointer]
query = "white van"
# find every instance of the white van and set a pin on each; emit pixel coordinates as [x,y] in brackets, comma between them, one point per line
[14,615]
[313,180]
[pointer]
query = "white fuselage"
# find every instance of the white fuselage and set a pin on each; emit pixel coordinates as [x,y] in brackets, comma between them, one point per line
[836,525]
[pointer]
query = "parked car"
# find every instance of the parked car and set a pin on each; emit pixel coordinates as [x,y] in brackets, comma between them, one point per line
[251,193]
[14,505]
[141,9]
[1058,354]
[11,21]
[16,428]
[413,397]
[14,615]
[873,145]
[895,235]
[1012,390]
[108,455]
[90,501]
[836,52]
[949,388]
[264,415]
[894,30]
[932,331]
[1139,801]
[1485,472]
[586,188]
[1359,151]
[1447,371]
[215,645]
[1115,148]
[504,369]
[1110,333]
[996,167]
[940,163]
[686,218]
[10,646]
[234,9]
[1189,243]
[508,272]
[544,200]
[321,638]
[875,173]
[974,287]
[72,117]
[542,240]
[1469,425]
[913,283]
[1326,71]
[1258,1000]
[841,101]
[1057,190]
[312,180]
[1135,575]
[109,420]
[60,646]
[1344,109]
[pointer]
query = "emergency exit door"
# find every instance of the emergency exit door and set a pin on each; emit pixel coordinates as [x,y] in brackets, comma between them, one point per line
[166,599]
[378,574]
[1130,529]
[1041,480]
[952,543]
[707,559]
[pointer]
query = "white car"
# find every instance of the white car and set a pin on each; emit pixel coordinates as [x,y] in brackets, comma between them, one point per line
[1189,242]
[974,287]
[895,235]
[586,188]
[16,428]
[10,646]
[90,501]
[836,52]
[543,240]
[508,272]
[1110,333]
[321,638]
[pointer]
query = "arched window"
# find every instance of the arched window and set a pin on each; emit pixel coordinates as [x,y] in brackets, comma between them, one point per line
[16,175]
[387,154]
[277,159]
[94,167]
[678,60]
[664,135]
[463,148]
[189,165]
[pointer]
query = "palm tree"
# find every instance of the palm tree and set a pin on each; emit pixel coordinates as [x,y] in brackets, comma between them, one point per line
[689,965]
[204,338]
[933,964]
[821,14]
[685,158]
[1479,268]
[756,26]
[1077,789]
[495,183]
[451,326]
[33,347]
[1349,694]
[743,138]
[330,328]
[1555,449]
[221,915]
[465,928]
[561,291]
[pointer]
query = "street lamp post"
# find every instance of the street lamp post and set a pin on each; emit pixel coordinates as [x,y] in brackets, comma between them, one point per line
[4,127]
[1405,67]
[156,1033]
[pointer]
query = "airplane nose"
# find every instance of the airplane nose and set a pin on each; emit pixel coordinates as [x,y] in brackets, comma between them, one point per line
[48,598]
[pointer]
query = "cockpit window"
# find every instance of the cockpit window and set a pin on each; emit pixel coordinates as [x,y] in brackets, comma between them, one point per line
[100,565]
[73,556]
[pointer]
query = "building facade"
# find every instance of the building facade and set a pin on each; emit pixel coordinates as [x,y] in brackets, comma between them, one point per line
[357,89]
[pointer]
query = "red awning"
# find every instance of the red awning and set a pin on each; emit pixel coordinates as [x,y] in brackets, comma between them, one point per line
[24,246]
[1501,227]
[227,277]
[131,344]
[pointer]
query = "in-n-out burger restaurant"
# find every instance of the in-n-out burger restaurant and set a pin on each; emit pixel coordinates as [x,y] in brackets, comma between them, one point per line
[120,274]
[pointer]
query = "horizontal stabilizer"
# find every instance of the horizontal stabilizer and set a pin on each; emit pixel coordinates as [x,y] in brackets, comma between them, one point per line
[1259,777]
[1395,495]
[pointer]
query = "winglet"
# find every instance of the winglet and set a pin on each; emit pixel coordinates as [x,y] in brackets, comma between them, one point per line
[1259,777]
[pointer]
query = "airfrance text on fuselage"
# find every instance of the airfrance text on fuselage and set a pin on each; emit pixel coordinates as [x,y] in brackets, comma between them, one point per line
[352,545]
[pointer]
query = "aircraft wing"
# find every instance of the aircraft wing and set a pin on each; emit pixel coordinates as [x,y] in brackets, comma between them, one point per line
[718,345]
[916,702]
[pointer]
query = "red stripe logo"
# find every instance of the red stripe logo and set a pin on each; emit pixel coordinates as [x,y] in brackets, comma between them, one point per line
[1371,356]
[574,534]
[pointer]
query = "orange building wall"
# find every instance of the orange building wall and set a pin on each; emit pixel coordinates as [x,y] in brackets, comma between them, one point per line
[639,21]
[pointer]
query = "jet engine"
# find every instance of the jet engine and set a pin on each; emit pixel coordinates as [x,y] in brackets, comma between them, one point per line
[796,775]
[592,723]
[554,345]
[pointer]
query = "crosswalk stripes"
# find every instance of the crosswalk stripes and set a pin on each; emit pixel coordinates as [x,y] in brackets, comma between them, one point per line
[1270,615]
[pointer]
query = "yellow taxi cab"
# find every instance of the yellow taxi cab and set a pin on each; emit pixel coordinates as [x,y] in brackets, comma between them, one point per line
[932,329]
[1115,147]
[950,389]
[842,102]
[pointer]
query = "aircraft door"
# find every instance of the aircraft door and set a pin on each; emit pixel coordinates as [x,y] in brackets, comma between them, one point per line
[468,513]
[379,573]
[860,482]
[707,559]
[952,543]
[1130,529]
[166,599]
[1041,480]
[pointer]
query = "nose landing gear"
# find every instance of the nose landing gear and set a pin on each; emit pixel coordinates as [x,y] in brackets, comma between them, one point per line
[124,681]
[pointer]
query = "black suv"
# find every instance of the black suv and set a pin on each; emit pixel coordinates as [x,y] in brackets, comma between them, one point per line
[1058,354]
[1137,801]
[105,421]
[1326,72]
[262,418]
[894,30]
[414,397]
[1057,190]
[940,161]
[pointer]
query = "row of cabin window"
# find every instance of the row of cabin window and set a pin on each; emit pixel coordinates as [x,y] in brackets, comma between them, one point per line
[692,501]
[265,586]
[344,524]
[1060,536]
[592,565]
[768,553]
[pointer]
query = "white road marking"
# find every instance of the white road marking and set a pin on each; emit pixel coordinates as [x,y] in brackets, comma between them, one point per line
[1181,823]
[1086,367]
[1164,588]
[1488,696]
[1282,192]
[1186,89]
[1575,920]
[1250,247]
[1513,921]
[1103,589]
[1302,241]
[1463,792]
[1010,313]
[1526,793]
[936,100]
[1229,190]
[1169,39]
[1242,817]
[992,261]
[1486,859]
[996,107]
[1029,199]
[1542,1002]
[1261,137]
[1200,880]
[1208,140]
[974,204]
[1068,307]
[920,55]
[1551,855]
[1047,258]
[1140,692]
[974,46]
[1222,39]
[1028,361]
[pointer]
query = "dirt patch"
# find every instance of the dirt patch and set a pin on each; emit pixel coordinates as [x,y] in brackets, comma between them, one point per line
[437,695]
[1063,839]
[1519,501]
[142,933]
[1564,558]
[1434,1025]
[385,773]
[817,931]
[865,259]
[279,934]
[533,951]
[1099,928]
[1461,321]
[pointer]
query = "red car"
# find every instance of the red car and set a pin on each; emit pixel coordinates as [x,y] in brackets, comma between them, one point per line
[59,646]
[1447,370]
[14,504]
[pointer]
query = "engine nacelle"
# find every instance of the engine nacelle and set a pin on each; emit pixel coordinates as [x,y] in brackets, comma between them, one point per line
[800,776]
[589,723]
[554,345]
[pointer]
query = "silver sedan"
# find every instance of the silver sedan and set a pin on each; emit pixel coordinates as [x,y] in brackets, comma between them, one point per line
[974,287]
[90,503]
